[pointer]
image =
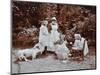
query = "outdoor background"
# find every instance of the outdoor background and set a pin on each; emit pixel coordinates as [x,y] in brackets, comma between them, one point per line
[6,39]
[71,19]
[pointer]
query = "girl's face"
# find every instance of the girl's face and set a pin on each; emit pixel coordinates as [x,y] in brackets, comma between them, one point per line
[45,23]
[53,22]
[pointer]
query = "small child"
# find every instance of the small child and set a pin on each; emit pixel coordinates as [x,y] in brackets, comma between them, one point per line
[77,44]
[62,51]
[77,49]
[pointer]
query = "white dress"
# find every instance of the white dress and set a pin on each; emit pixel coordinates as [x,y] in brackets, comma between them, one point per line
[43,35]
[55,35]
[84,43]
[50,43]
[81,45]
[62,50]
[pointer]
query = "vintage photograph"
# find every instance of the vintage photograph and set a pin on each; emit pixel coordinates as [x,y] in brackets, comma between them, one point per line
[52,37]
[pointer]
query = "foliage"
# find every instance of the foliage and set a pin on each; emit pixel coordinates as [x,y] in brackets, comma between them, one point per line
[71,19]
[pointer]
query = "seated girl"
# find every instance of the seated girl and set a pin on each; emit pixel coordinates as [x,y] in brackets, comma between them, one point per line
[77,49]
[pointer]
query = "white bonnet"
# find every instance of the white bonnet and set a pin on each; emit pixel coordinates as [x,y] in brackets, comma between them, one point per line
[53,18]
[77,36]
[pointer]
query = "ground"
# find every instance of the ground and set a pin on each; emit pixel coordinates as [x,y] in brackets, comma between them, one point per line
[49,63]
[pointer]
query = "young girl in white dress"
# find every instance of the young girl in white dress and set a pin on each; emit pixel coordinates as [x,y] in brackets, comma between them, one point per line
[80,47]
[43,34]
[55,35]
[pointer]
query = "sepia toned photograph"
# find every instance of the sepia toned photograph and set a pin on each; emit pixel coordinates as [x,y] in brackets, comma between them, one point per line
[52,37]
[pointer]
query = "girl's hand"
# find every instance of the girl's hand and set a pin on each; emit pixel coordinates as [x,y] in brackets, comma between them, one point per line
[71,43]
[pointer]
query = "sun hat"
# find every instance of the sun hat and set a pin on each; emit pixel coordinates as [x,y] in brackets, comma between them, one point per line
[54,19]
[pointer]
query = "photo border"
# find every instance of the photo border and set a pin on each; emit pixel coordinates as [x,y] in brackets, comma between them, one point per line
[49,71]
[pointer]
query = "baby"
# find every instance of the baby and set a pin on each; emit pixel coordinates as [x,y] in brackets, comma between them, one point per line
[61,50]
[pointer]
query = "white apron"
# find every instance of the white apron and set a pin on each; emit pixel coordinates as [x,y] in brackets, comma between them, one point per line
[85,49]
[43,36]
[55,35]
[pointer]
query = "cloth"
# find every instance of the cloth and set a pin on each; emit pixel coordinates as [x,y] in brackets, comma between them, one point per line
[55,35]
[85,45]
[50,43]
[77,45]
[43,35]
[39,46]
[62,50]
[81,45]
